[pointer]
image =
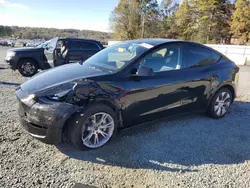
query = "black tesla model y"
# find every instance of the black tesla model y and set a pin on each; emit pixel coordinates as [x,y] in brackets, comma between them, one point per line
[128,83]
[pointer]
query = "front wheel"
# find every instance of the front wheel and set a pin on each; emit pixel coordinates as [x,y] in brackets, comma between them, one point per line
[27,67]
[93,128]
[220,103]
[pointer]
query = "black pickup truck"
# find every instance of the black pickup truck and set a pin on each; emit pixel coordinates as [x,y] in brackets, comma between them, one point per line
[55,52]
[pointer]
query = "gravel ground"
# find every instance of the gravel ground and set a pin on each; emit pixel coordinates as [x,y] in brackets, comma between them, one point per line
[188,151]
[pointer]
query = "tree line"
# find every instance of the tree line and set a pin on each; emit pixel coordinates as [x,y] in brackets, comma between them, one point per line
[210,21]
[48,33]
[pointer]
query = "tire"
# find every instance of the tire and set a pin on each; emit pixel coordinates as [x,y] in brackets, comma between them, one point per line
[218,109]
[81,127]
[27,67]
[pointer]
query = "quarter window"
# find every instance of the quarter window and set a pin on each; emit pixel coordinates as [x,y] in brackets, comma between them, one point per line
[79,45]
[197,56]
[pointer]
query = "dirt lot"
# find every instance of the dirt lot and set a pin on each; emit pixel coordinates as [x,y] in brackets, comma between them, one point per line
[189,151]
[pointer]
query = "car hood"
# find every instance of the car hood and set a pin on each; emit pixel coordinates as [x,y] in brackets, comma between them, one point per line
[59,76]
[26,49]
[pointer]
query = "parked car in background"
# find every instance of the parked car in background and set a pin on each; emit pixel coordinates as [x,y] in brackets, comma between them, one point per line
[50,54]
[18,44]
[31,44]
[10,43]
[128,83]
[4,43]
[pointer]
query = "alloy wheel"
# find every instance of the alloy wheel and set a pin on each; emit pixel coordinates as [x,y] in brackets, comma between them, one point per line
[98,130]
[222,104]
[28,68]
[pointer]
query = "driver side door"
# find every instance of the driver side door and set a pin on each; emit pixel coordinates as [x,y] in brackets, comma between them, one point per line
[152,97]
[49,51]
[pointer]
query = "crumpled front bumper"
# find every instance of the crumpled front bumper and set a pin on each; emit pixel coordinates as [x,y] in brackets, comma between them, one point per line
[44,121]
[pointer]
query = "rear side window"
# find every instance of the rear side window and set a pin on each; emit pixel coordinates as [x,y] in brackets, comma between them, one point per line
[198,56]
[79,45]
[89,46]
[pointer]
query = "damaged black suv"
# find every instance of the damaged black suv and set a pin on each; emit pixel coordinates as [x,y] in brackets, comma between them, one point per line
[128,83]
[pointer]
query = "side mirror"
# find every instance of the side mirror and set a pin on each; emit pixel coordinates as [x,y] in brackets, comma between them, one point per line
[144,71]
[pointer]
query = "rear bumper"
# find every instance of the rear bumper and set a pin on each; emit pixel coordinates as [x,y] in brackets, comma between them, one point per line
[44,121]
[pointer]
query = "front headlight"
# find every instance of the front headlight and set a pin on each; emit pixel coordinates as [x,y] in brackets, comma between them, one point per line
[57,93]
[59,96]
[29,100]
[66,92]
[10,54]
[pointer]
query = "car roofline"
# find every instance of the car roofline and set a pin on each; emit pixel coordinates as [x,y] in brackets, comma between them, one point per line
[79,39]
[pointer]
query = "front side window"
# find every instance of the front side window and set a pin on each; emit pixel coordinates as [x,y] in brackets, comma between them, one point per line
[198,56]
[164,59]
[50,44]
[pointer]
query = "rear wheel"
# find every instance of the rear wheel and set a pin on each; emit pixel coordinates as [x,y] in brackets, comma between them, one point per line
[220,103]
[93,128]
[27,67]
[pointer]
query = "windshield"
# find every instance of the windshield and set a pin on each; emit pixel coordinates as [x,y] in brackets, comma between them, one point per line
[43,45]
[50,43]
[117,56]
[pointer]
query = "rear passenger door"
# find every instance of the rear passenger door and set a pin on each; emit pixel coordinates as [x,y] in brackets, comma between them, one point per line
[200,73]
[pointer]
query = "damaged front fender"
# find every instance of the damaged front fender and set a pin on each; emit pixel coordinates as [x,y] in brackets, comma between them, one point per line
[91,92]
[98,91]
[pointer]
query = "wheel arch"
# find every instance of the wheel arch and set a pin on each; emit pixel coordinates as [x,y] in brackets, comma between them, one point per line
[113,105]
[30,58]
[229,87]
